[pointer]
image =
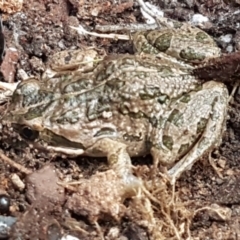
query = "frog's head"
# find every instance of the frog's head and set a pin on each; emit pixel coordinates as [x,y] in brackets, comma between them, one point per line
[30,105]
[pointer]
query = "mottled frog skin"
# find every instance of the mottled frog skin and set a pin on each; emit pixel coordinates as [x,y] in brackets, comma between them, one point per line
[127,105]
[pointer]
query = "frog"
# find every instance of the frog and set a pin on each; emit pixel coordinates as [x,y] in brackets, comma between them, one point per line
[123,106]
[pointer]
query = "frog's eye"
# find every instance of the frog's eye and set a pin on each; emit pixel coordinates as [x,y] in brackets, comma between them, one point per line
[28,133]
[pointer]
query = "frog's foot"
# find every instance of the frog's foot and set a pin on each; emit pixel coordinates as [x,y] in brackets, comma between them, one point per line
[120,162]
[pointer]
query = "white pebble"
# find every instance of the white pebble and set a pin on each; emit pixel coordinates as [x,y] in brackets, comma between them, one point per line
[198,19]
[226,38]
[69,237]
[229,48]
[17,182]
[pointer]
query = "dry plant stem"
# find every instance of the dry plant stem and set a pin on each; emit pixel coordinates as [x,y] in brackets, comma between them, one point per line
[69,223]
[172,201]
[212,163]
[83,31]
[221,214]
[126,27]
[231,99]
[99,230]
[69,186]
[151,197]
[14,164]
[172,224]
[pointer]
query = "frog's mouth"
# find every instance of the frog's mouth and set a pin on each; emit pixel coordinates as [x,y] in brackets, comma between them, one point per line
[67,151]
[46,140]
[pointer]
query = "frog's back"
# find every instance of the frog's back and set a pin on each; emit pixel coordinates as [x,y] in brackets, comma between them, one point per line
[126,100]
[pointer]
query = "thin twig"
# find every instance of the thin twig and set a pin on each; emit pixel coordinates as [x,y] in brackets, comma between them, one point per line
[126,27]
[14,164]
[83,31]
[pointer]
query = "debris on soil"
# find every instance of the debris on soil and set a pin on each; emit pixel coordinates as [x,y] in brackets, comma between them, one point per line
[88,200]
[36,222]
[8,66]
[11,6]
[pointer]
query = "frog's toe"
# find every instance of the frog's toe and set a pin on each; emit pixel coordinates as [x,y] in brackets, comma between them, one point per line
[132,184]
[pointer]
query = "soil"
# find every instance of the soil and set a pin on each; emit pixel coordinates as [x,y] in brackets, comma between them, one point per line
[206,203]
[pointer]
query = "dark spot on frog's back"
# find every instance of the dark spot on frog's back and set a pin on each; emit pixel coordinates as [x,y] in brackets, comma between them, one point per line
[132,138]
[168,142]
[183,149]
[185,98]
[174,116]
[149,92]
[190,54]
[163,99]
[161,41]
[114,84]
[201,125]
[78,85]
[68,58]
[154,121]
[202,37]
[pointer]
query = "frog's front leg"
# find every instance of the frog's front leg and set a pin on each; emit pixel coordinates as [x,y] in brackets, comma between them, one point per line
[193,127]
[119,160]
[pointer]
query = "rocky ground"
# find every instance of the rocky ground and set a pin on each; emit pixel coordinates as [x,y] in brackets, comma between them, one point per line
[206,200]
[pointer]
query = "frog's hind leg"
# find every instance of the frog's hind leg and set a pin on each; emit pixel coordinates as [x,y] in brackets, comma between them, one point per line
[212,134]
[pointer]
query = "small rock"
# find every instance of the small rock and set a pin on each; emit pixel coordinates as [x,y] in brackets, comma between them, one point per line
[47,198]
[43,184]
[4,203]
[8,67]
[198,19]
[69,237]
[17,182]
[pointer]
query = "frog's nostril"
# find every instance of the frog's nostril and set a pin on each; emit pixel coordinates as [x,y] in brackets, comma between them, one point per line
[28,133]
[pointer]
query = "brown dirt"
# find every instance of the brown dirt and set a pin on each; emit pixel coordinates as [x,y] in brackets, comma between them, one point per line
[41,29]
